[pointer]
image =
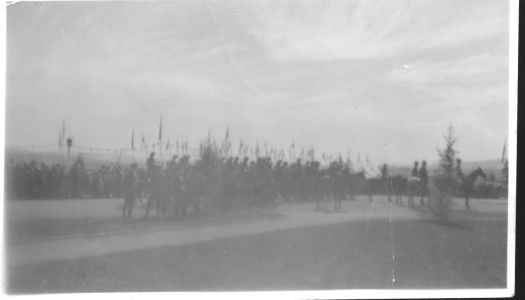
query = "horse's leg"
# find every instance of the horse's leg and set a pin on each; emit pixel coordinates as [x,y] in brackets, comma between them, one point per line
[175,201]
[389,193]
[148,207]
[184,207]
[158,207]
[130,208]
[124,208]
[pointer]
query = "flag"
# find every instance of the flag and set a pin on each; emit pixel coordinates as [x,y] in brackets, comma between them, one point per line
[62,135]
[282,154]
[311,154]
[240,148]
[160,129]
[291,151]
[504,153]
[257,150]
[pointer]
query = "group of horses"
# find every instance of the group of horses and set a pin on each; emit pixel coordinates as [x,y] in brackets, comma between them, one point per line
[187,188]
[412,187]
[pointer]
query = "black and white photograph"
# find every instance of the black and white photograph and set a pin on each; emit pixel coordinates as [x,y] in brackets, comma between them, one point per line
[307,148]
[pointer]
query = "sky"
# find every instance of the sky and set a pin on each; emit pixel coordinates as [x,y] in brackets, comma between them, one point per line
[381,78]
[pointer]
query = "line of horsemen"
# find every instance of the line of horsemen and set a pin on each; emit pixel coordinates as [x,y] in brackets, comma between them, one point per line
[185,188]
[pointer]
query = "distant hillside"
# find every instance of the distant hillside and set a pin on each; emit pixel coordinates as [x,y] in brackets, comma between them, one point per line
[493,166]
[484,164]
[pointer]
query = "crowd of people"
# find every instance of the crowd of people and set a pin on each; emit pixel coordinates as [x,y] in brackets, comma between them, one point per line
[185,184]
[40,181]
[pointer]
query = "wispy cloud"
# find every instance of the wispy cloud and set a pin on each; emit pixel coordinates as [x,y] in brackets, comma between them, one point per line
[316,30]
[338,74]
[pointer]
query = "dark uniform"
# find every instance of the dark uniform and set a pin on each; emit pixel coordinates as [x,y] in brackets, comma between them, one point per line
[130,192]
[415,170]
[150,163]
[423,176]
[459,172]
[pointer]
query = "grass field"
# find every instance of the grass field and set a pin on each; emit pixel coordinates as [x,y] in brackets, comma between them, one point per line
[367,251]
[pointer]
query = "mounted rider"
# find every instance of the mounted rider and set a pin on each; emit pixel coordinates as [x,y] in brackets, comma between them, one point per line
[415,170]
[150,163]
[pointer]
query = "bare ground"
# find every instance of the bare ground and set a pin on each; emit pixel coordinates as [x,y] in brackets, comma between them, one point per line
[369,245]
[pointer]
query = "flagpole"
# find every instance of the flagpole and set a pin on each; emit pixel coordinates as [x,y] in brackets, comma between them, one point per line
[160,136]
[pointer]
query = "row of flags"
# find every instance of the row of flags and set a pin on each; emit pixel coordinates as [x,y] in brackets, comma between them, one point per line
[224,148]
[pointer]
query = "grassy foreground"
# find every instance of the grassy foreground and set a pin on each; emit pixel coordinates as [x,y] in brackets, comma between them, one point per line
[377,254]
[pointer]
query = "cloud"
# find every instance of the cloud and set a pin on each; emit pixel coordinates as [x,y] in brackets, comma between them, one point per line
[336,74]
[315,30]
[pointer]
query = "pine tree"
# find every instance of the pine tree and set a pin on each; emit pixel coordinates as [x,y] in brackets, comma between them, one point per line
[444,181]
[448,154]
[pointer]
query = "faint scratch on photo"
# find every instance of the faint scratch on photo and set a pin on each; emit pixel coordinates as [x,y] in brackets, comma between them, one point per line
[393,247]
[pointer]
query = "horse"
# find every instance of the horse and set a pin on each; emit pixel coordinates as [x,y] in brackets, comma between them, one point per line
[398,187]
[377,185]
[339,190]
[352,183]
[330,185]
[467,183]
[415,188]
[158,192]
